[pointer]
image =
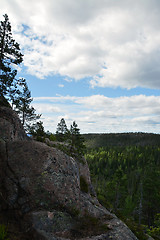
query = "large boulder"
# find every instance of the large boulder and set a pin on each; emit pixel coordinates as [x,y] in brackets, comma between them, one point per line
[10,125]
[48,193]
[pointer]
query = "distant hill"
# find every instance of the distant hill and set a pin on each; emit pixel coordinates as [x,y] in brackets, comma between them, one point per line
[121,139]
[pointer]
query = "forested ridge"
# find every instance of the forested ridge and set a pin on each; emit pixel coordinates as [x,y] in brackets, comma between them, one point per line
[121,139]
[126,176]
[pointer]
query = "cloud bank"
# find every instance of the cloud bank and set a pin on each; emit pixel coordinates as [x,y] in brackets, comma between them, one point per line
[115,43]
[123,114]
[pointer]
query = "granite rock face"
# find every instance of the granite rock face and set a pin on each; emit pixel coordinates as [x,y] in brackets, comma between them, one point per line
[10,125]
[40,187]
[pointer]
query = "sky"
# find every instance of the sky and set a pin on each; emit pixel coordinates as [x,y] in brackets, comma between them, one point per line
[96,62]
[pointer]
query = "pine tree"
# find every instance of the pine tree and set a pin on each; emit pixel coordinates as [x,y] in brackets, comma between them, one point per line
[37,130]
[77,141]
[22,103]
[10,56]
[62,131]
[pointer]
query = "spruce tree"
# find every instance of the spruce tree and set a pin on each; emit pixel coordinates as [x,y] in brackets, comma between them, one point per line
[77,141]
[62,131]
[10,56]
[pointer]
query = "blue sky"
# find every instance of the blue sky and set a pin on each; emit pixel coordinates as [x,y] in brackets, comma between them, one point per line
[95,62]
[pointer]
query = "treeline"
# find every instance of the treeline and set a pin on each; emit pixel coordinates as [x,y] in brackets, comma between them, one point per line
[127,182]
[68,140]
[71,136]
[121,139]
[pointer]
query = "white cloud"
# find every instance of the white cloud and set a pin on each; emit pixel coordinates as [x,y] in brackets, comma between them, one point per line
[46,108]
[80,39]
[98,113]
[61,85]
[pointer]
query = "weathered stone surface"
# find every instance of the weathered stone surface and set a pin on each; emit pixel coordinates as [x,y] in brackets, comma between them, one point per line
[10,125]
[40,187]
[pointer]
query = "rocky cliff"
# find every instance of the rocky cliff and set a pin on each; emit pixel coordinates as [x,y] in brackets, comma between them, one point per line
[46,194]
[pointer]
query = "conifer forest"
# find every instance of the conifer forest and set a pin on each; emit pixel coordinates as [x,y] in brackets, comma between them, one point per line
[127,181]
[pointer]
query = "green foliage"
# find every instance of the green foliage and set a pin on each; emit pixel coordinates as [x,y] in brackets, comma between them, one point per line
[157,220]
[137,229]
[83,184]
[52,137]
[10,56]
[93,141]
[22,103]
[3,232]
[73,140]
[37,131]
[16,90]
[62,131]
[127,180]
[154,231]
[129,205]
[77,141]
[104,201]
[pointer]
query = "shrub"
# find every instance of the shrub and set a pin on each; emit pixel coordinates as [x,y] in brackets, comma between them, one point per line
[52,137]
[155,231]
